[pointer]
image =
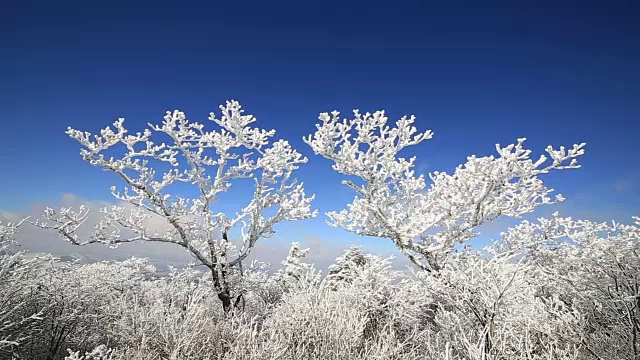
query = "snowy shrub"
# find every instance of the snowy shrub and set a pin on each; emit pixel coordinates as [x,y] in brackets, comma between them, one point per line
[317,324]
[101,352]
[20,319]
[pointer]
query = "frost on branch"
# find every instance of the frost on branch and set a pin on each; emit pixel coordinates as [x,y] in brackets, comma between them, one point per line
[208,160]
[425,221]
[8,232]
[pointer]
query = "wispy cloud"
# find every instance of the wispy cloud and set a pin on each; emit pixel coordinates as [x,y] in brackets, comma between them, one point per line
[627,184]
[33,239]
[323,250]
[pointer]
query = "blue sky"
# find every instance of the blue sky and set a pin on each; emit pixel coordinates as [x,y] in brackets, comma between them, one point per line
[476,73]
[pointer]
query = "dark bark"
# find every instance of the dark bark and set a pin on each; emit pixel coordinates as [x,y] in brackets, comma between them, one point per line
[239,303]
[221,287]
[225,298]
[219,275]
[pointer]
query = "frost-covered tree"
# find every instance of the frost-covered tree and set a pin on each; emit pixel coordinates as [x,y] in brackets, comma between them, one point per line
[425,221]
[207,159]
[295,272]
[347,266]
[355,265]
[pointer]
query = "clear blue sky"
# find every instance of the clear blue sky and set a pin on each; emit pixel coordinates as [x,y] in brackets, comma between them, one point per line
[476,73]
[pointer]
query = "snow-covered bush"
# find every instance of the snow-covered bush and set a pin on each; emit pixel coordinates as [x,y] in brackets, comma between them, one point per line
[371,279]
[588,275]
[177,317]
[101,352]
[20,321]
[78,302]
[317,323]
[484,305]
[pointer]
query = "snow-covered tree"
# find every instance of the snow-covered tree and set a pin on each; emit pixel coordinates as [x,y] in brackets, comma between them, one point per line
[347,266]
[366,270]
[425,221]
[295,272]
[209,160]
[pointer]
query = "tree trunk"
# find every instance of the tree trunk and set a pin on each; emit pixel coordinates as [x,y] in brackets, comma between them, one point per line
[218,268]
[220,278]
[225,298]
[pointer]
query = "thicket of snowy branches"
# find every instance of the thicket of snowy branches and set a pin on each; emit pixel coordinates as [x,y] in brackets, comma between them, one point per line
[554,288]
